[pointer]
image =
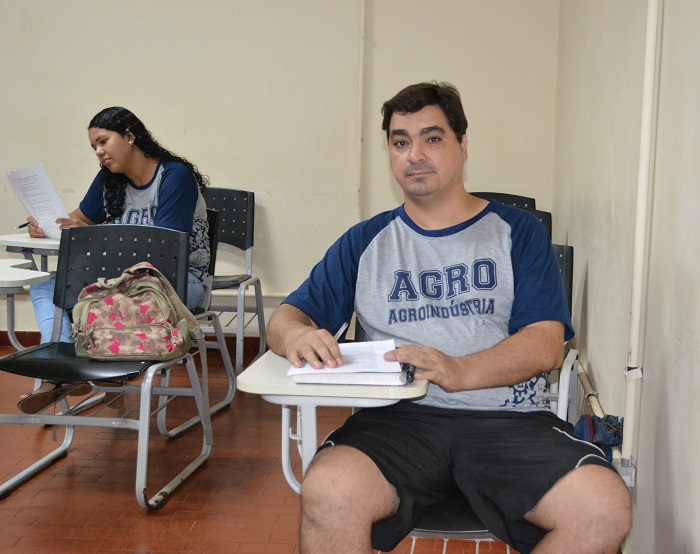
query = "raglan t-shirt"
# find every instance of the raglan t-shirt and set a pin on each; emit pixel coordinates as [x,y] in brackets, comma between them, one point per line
[460,290]
[171,199]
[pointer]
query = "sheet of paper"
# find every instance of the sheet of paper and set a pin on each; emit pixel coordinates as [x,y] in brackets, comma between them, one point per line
[358,357]
[34,189]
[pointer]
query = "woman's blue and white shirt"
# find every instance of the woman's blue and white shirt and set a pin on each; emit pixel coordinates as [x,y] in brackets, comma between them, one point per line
[171,199]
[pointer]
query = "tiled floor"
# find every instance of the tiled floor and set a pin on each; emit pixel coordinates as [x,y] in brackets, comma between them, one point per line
[238,503]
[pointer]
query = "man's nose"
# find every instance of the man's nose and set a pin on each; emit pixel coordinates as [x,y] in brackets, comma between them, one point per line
[416,154]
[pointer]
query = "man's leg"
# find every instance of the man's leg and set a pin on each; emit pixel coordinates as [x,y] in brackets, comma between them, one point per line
[586,511]
[342,495]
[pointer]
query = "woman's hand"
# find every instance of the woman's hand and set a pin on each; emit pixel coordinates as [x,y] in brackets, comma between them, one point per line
[70,222]
[34,230]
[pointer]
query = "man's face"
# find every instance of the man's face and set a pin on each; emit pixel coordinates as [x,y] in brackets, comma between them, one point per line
[424,153]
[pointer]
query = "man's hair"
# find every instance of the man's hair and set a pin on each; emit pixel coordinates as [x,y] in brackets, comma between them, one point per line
[416,97]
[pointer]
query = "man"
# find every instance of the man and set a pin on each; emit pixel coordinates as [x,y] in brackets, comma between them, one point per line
[471,293]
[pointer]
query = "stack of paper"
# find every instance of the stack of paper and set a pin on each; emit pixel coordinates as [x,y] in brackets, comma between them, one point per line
[34,189]
[363,364]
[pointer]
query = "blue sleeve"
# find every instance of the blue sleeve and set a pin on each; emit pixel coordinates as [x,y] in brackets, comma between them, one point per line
[92,205]
[328,295]
[177,198]
[539,289]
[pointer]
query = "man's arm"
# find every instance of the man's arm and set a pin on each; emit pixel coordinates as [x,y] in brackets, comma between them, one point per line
[534,349]
[293,334]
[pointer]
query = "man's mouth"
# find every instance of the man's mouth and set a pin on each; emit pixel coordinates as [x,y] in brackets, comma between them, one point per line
[413,171]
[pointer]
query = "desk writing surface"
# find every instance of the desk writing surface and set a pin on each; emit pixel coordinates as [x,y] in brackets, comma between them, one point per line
[15,273]
[23,240]
[268,376]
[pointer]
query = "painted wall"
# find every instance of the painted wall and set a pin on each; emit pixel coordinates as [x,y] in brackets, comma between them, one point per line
[595,177]
[276,97]
[262,96]
[258,94]
[668,495]
[599,97]
[500,55]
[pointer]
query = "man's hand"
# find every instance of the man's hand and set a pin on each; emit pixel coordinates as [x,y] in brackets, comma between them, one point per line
[434,366]
[316,346]
[534,349]
[291,333]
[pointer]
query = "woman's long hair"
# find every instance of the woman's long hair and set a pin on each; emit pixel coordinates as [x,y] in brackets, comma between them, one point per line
[121,120]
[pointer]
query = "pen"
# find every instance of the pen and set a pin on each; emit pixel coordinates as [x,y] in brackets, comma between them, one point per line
[340,331]
[27,224]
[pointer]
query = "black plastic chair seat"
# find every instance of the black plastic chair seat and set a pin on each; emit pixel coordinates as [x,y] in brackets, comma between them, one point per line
[228,281]
[56,361]
[449,516]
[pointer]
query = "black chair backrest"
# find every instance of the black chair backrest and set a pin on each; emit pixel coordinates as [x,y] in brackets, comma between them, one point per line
[506,198]
[88,253]
[523,202]
[545,219]
[565,259]
[213,220]
[236,215]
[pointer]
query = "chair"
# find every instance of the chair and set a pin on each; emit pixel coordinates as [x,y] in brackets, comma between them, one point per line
[236,227]
[453,518]
[523,202]
[204,314]
[506,198]
[85,255]
[545,218]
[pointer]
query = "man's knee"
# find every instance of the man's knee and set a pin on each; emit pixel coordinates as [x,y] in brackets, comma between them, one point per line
[611,504]
[591,500]
[343,478]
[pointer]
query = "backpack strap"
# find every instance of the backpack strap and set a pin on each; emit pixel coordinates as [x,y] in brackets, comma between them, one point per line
[180,309]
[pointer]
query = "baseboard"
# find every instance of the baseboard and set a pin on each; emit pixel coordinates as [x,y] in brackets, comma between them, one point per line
[251,345]
[25,338]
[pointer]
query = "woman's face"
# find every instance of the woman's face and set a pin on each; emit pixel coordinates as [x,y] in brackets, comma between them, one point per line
[112,149]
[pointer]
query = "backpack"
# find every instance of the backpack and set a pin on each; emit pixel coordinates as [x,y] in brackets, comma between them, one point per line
[137,316]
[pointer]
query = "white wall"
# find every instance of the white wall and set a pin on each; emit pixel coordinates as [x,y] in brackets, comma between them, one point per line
[283,98]
[595,178]
[601,53]
[276,97]
[259,94]
[668,495]
[500,55]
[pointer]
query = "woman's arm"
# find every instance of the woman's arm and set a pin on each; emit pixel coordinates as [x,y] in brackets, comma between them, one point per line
[75,219]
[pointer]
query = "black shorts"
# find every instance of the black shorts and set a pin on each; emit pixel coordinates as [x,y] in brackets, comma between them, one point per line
[502,462]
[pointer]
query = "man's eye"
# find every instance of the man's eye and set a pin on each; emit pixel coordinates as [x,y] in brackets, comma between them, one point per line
[434,139]
[400,143]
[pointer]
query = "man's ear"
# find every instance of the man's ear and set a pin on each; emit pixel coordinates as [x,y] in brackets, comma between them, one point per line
[465,155]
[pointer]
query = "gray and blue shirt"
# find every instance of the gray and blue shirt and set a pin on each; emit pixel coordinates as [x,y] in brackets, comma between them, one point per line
[460,290]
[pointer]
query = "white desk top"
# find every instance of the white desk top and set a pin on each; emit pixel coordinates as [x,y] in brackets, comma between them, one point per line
[268,376]
[14,274]
[23,240]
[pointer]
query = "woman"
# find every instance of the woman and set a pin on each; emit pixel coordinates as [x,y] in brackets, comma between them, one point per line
[140,182]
